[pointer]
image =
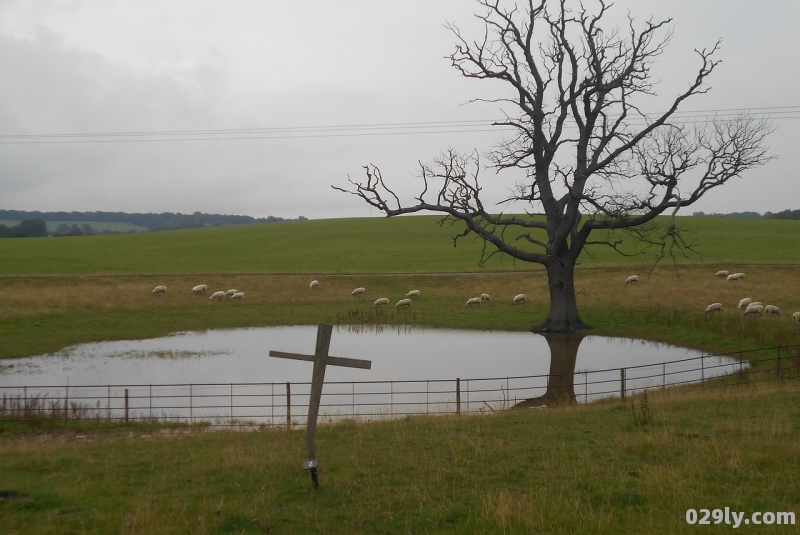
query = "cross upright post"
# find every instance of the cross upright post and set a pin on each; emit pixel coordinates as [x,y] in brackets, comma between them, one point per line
[321,359]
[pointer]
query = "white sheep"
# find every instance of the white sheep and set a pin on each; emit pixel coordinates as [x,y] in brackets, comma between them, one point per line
[723,273]
[755,303]
[734,277]
[473,301]
[230,293]
[218,296]
[403,303]
[714,307]
[519,299]
[199,289]
[754,309]
[486,297]
[796,316]
[358,291]
[632,278]
[772,309]
[159,290]
[739,275]
[238,295]
[314,284]
[380,302]
[412,293]
[744,302]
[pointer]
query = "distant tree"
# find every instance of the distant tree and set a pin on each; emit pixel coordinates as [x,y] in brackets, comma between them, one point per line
[593,160]
[87,230]
[785,214]
[29,228]
[5,232]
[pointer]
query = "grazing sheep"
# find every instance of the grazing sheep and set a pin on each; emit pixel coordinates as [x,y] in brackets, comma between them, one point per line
[722,273]
[632,278]
[358,291]
[739,275]
[714,307]
[380,302]
[796,316]
[403,303]
[229,293]
[159,290]
[755,303]
[744,302]
[754,309]
[473,301]
[772,309]
[486,297]
[218,296]
[238,295]
[412,293]
[199,289]
[314,284]
[519,299]
[735,277]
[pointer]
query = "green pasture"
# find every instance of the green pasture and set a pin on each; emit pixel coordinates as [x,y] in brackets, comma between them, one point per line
[99,226]
[365,245]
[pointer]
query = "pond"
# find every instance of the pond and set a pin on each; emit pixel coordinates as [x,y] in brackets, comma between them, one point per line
[196,375]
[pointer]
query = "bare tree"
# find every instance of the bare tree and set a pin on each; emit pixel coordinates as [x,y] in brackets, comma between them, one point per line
[593,160]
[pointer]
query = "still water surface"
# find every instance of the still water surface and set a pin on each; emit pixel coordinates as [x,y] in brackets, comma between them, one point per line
[240,355]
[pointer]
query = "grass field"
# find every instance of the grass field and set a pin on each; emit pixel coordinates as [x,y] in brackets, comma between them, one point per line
[375,245]
[588,469]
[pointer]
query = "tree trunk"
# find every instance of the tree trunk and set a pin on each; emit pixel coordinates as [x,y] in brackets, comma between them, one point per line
[563,317]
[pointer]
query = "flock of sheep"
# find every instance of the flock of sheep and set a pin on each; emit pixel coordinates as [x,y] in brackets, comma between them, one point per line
[201,289]
[406,302]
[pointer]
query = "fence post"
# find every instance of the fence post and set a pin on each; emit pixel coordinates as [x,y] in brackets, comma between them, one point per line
[66,403]
[288,406]
[622,383]
[703,371]
[663,375]
[458,395]
[780,371]
[586,387]
[231,406]
[191,411]
[741,369]
[109,402]
[126,404]
[150,397]
[25,402]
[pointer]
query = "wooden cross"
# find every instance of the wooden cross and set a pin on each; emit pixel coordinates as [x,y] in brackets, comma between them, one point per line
[321,359]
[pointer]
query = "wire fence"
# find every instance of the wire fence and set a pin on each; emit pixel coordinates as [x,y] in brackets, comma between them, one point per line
[286,404]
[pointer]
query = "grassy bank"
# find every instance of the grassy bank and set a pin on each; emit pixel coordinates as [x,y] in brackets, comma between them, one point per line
[588,469]
[45,314]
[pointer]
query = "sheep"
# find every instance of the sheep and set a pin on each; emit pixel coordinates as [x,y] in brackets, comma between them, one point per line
[238,295]
[358,291]
[796,316]
[199,289]
[314,284]
[739,275]
[632,278]
[734,277]
[218,296]
[519,299]
[486,297]
[159,290]
[412,293]
[755,303]
[744,302]
[772,309]
[723,273]
[380,302]
[473,301]
[714,307]
[403,303]
[230,293]
[754,309]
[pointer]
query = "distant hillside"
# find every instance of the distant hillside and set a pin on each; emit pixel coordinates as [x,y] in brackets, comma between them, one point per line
[739,215]
[150,221]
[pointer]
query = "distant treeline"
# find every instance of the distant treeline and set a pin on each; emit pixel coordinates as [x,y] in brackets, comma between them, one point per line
[786,214]
[31,228]
[163,221]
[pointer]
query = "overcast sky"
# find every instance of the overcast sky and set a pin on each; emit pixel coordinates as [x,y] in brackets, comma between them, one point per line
[289,68]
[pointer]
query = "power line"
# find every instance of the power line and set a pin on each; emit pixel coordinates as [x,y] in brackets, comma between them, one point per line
[358,130]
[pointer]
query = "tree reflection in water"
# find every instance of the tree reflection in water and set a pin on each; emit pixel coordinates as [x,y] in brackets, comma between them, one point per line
[561,378]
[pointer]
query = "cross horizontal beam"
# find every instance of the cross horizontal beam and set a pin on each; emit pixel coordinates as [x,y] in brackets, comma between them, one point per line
[333,361]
